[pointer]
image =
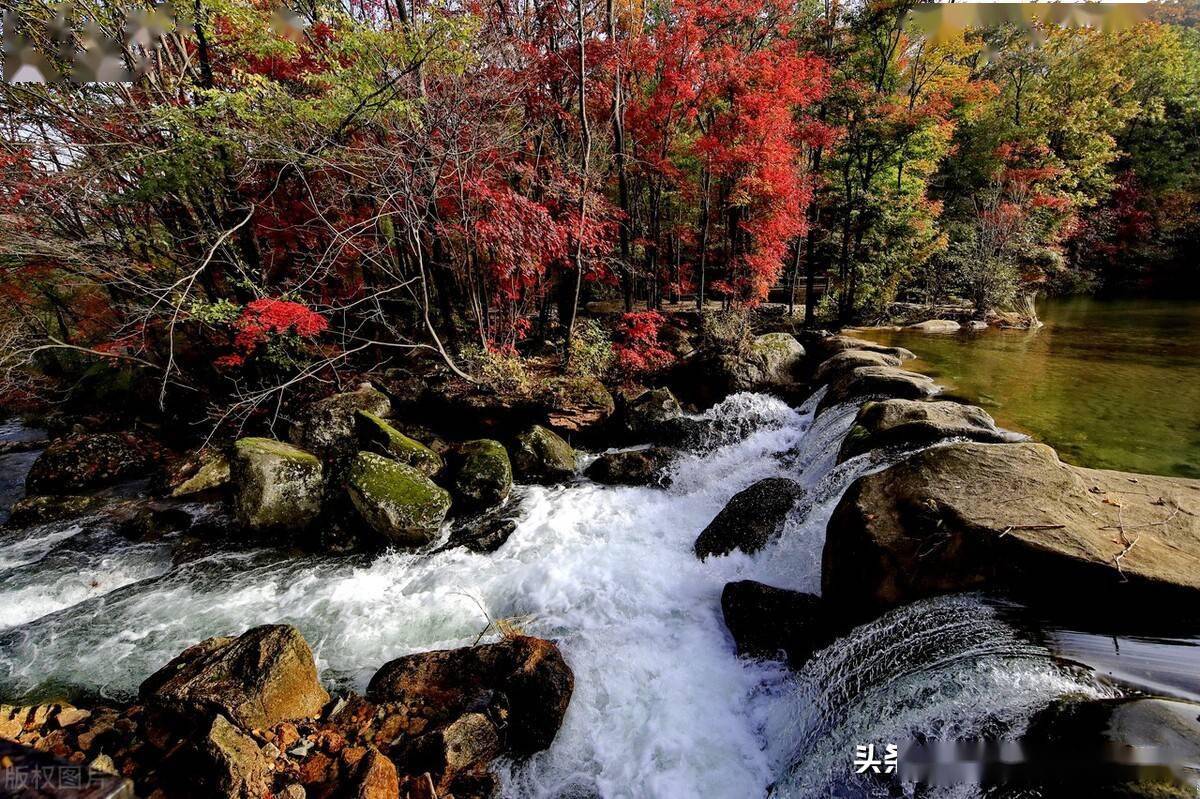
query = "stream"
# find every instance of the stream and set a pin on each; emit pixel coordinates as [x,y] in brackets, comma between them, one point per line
[662,706]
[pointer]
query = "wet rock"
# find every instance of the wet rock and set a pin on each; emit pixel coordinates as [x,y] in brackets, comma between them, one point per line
[969,515]
[397,501]
[649,415]
[91,460]
[832,345]
[483,474]
[328,425]
[977,324]
[441,686]
[937,326]
[52,508]
[765,621]
[639,467]
[260,678]
[375,433]
[877,381]
[836,366]
[910,423]
[277,487]
[469,742]
[485,533]
[209,471]
[542,456]
[236,766]
[750,519]
[149,521]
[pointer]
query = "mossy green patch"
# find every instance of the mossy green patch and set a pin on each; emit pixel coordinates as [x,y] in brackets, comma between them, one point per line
[374,430]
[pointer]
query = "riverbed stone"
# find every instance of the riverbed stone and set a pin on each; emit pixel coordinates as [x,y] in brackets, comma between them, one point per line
[277,487]
[846,361]
[832,345]
[542,456]
[937,326]
[750,519]
[526,675]
[649,415]
[47,508]
[483,477]
[327,427]
[638,467]
[912,423]
[91,460]
[975,516]
[396,500]
[262,677]
[212,473]
[877,381]
[375,432]
[765,621]
[236,766]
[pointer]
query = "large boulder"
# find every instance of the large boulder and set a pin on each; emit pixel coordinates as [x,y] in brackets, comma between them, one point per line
[397,501]
[90,460]
[750,519]
[483,475]
[765,620]
[262,677]
[637,467]
[374,432]
[967,516]
[650,414]
[526,675]
[845,361]
[542,456]
[577,404]
[937,326]
[877,381]
[277,487]
[832,345]
[328,425]
[772,359]
[910,423]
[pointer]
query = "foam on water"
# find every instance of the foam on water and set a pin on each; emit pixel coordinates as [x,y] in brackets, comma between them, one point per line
[662,707]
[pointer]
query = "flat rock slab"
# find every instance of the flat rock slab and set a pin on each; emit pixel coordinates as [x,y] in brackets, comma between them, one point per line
[877,381]
[845,361]
[912,423]
[968,516]
[834,344]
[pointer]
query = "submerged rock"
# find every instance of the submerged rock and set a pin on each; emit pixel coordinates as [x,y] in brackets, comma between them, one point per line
[639,467]
[877,381]
[836,366]
[910,423]
[375,432]
[750,519]
[277,487]
[483,477]
[440,686]
[262,677]
[651,414]
[90,460]
[487,532]
[542,456]
[765,621]
[398,502]
[328,425]
[970,515]
[937,326]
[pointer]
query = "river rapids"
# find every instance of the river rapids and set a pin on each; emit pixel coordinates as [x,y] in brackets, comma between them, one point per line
[662,706]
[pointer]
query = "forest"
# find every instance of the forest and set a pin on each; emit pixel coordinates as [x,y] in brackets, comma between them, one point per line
[278,194]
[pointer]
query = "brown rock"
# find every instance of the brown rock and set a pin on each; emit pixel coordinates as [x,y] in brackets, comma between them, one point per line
[262,677]
[72,715]
[639,467]
[971,515]
[238,768]
[877,381]
[375,777]
[912,423]
[750,519]
[848,360]
[835,344]
[91,460]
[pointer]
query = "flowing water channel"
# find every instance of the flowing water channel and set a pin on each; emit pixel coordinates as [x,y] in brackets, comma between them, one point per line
[662,706]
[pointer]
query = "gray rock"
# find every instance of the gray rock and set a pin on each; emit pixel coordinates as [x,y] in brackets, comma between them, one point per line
[277,487]
[750,519]
[639,467]
[877,381]
[836,366]
[483,477]
[911,423]
[397,501]
[328,425]
[542,456]
[937,326]
[650,413]
[374,432]
[832,345]
[765,621]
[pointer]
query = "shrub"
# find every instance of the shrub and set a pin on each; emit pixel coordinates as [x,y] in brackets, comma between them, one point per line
[501,371]
[591,349]
[726,331]
[636,344]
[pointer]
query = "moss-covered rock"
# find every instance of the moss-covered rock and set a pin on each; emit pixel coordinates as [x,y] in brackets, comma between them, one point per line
[483,478]
[396,500]
[212,474]
[277,486]
[375,432]
[328,425]
[542,456]
[650,413]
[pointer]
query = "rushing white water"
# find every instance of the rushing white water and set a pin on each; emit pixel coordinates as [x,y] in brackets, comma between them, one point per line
[662,706]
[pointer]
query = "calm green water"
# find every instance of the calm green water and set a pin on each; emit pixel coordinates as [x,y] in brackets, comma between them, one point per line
[1109,384]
